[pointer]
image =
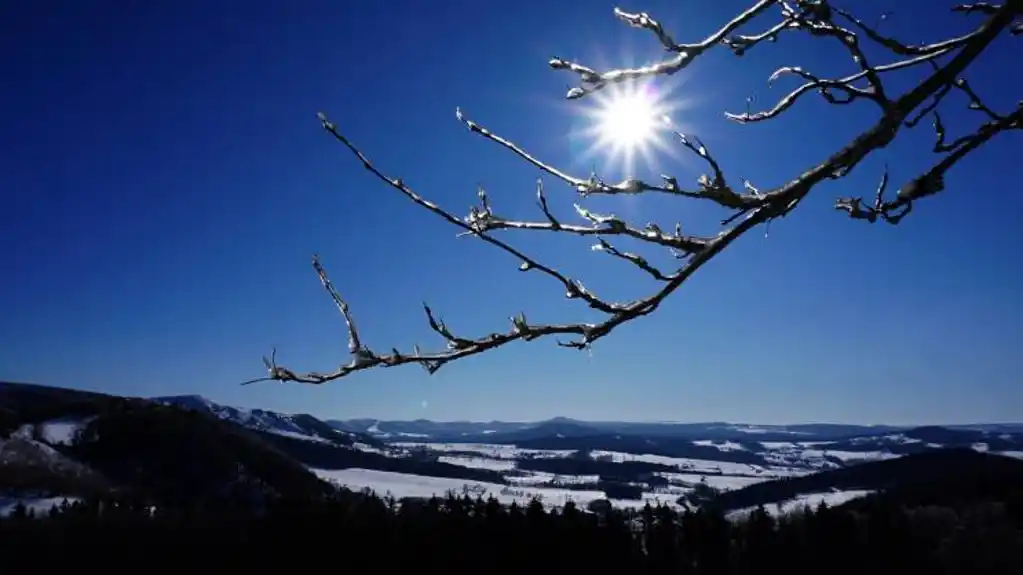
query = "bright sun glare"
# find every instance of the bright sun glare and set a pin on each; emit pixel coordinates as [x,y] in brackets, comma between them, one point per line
[627,120]
[630,122]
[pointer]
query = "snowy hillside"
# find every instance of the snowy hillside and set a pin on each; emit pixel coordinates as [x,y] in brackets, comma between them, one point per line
[33,449]
[295,426]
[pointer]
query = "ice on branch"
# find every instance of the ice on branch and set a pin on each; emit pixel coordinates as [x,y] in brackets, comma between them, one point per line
[943,64]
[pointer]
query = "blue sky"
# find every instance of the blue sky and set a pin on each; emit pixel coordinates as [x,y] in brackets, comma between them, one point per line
[165,181]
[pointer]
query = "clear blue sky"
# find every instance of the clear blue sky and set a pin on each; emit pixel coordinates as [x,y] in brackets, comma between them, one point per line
[165,181]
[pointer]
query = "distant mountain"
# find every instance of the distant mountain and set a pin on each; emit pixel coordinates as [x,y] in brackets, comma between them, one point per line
[506,431]
[928,438]
[425,429]
[995,427]
[553,429]
[809,446]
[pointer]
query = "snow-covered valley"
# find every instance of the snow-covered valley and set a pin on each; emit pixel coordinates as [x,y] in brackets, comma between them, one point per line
[553,462]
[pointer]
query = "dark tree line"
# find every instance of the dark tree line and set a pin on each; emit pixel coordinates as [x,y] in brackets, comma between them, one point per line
[354,532]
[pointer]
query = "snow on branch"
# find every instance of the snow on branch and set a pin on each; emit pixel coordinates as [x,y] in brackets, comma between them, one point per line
[947,61]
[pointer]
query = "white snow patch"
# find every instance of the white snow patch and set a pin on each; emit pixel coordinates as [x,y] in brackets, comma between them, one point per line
[478,462]
[685,464]
[297,435]
[37,505]
[755,429]
[897,438]
[778,444]
[847,456]
[540,477]
[61,431]
[811,500]
[370,449]
[723,445]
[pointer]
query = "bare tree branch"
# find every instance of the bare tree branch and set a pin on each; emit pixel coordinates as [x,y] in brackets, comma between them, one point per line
[749,206]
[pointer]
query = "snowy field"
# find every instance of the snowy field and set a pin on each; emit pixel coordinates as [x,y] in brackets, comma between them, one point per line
[720,475]
[503,457]
[811,500]
[401,485]
[479,462]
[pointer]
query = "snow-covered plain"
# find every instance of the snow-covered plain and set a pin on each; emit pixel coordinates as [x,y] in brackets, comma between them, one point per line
[526,484]
[785,459]
[402,485]
[721,475]
[502,456]
[691,465]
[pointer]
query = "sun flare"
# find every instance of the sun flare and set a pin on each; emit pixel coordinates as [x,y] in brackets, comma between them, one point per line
[630,122]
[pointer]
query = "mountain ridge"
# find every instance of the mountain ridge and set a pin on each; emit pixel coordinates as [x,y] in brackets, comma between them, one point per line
[462,431]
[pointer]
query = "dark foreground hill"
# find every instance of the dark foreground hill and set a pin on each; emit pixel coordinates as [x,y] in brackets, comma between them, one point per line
[321,446]
[69,443]
[64,442]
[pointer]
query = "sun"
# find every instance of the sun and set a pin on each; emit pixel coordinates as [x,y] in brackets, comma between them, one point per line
[629,122]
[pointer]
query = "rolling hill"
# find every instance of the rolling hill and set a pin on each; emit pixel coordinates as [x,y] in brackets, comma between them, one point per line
[940,476]
[69,442]
[57,442]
